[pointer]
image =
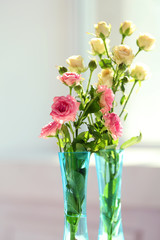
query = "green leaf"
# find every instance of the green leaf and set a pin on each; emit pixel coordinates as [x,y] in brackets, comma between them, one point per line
[113,146]
[123,99]
[131,141]
[76,185]
[92,92]
[125,117]
[72,205]
[66,133]
[92,131]
[105,63]
[122,87]
[84,136]
[93,107]
[80,147]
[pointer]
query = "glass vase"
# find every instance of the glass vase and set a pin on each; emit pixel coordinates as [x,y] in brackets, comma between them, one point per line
[109,172]
[74,171]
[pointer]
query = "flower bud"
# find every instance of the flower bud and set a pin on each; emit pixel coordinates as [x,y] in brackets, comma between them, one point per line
[92,65]
[123,54]
[139,72]
[145,42]
[127,28]
[76,64]
[62,69]
[97,46]
[106,77]
[103,28]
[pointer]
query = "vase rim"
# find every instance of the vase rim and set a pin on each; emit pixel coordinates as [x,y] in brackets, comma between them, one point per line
[76,152]
[108,150]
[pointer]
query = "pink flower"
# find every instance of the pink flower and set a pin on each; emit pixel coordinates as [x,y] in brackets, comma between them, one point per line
[64,109]
[106,99]
[70,78]
[113,124]
[50,129]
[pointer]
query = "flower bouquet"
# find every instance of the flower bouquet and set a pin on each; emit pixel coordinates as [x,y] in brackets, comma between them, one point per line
[85,121]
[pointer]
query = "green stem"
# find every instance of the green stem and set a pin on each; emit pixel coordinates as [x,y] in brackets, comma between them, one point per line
[59,143]
[90,76]
[108,54]
[128,98]
[123,37]
[70,91]
[104,41]
[71,129]
[139,50]
[72,232]
[76,132]
[110,237]
[79,121]
[89,120]
[92,119]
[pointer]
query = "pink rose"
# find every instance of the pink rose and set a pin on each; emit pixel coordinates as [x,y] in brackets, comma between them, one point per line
[70,78]
[64,109]
[106,99]
[50,129]
[113,124]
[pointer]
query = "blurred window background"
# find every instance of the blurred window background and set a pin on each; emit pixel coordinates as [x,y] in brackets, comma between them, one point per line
[35,37]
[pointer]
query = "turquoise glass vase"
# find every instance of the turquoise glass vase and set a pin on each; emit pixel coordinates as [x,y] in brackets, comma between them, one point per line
[74,171]
[109,172]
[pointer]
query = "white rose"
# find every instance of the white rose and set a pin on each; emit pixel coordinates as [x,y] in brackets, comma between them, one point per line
[146,42]
[123,54]
[102,27]
[127,28]
[106,77]
[76,63]
[140,72]
[98,45]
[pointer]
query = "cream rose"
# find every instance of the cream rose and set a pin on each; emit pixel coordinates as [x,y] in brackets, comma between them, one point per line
[97,45]
[102,27]
[76,64]
[123,54]
[146,42]
[127,28]
[139,72]
[106,77]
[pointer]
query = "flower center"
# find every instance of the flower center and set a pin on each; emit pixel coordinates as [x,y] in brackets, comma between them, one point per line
[62,107]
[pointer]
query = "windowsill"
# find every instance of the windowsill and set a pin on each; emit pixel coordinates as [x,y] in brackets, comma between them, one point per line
[146,157]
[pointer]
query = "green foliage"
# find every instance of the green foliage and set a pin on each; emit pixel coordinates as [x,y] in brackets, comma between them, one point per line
[105,63]
[123,99]
[131,141]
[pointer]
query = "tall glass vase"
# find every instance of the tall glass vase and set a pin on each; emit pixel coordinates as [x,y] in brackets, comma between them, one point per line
[74,171]
[109,173]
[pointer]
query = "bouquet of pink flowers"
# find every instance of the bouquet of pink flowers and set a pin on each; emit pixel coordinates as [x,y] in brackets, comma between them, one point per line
[94,107]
